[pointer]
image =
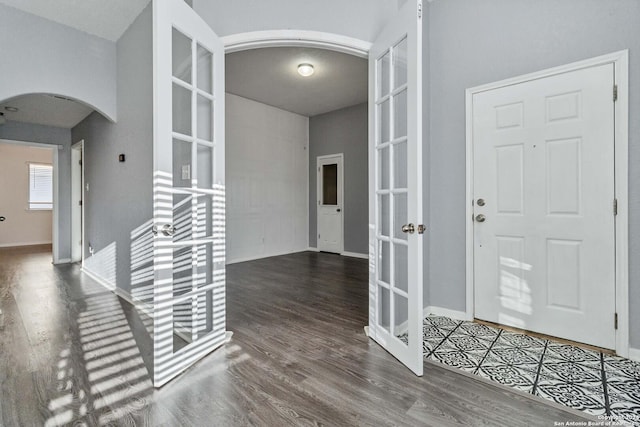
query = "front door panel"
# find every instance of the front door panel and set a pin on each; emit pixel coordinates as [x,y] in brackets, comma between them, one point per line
[544,255]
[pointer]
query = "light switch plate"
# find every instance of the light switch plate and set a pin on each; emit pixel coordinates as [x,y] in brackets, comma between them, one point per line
[186,171]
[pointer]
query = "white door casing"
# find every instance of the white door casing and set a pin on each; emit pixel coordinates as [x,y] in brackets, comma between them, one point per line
[77,209]
[395,187]
[330,192]
[543,162]
[189,191]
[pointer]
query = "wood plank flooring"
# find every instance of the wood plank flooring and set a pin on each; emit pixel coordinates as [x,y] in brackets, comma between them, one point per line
[73,353]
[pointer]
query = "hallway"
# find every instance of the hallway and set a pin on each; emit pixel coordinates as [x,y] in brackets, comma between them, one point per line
[71,351]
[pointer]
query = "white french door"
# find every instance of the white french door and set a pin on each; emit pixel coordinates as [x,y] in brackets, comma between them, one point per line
[189,191]
[395,187]
[543,186]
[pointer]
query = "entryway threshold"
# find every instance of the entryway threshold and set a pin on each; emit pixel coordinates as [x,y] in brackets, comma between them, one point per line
[593,382]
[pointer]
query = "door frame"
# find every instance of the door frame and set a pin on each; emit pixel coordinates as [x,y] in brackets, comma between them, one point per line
[78,146]
[340,199]
[620,60]
[55,221]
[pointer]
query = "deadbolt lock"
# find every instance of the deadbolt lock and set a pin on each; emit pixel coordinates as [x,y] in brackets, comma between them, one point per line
[480,202]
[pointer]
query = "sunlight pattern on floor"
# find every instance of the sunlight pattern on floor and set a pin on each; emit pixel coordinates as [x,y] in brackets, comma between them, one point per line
[589,381]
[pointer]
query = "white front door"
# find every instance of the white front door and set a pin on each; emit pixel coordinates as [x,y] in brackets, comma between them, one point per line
[543,188]
[395,187]
[330,203]
[189,191]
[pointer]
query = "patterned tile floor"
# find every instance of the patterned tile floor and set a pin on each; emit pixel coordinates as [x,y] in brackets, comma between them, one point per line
[589,381]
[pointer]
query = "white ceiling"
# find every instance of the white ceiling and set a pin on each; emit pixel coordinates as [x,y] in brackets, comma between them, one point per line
[47,110]
[104,18]
[270,76]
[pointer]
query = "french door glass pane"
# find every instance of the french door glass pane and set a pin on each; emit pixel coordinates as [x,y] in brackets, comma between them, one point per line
[181,56]
[205,70]
[400,114]
[400,165]
[385,262]
[205,167]
[384,159]
[182,167]
[385,121]
[182,217]
[385,215]
[400,313]
[400,63]
[384,74]
[399,215]
[205,118]
[384,312]
[400,255]
[181,110]
[330,184]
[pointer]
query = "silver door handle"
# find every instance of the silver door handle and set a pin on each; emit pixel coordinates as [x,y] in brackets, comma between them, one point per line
[408,228]
[167,230]
[480,218]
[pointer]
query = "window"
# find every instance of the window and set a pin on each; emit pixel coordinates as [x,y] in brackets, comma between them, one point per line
[40,186]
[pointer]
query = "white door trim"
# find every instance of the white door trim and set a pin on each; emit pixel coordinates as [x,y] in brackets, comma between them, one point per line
[55,239]
[75,147]
[620,60]
[278,38]
[341,199]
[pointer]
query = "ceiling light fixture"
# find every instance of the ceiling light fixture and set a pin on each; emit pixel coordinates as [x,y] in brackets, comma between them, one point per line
[305,70]
[11,109]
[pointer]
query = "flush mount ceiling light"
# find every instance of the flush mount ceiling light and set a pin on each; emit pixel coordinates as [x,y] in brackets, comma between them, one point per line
[11,109]
[305,70]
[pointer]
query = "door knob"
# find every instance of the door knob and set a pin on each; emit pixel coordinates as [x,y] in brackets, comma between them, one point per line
[480,218]
[480,202]
[2,218]
[168,230]
[338,210]
[408,228]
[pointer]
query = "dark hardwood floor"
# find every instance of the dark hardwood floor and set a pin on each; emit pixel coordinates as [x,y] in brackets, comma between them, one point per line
[72,353]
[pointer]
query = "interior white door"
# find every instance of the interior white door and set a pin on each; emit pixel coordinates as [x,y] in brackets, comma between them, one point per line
[543,184]
[395,187]
[330,203]
[189,190]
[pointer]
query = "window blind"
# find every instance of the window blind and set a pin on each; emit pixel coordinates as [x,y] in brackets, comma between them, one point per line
[40,186]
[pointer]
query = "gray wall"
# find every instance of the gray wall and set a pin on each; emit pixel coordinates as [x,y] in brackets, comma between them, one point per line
[475,42]
[360,19]
[120,195]
[41,56]
[343,131]
[18,131]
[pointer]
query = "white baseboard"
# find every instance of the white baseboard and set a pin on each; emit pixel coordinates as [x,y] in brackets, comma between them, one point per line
[634,354]
[110,286]
[62,261]
[17,244]
[440,311]
[345,253]
[140,305]
[355,255]
[261,256]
